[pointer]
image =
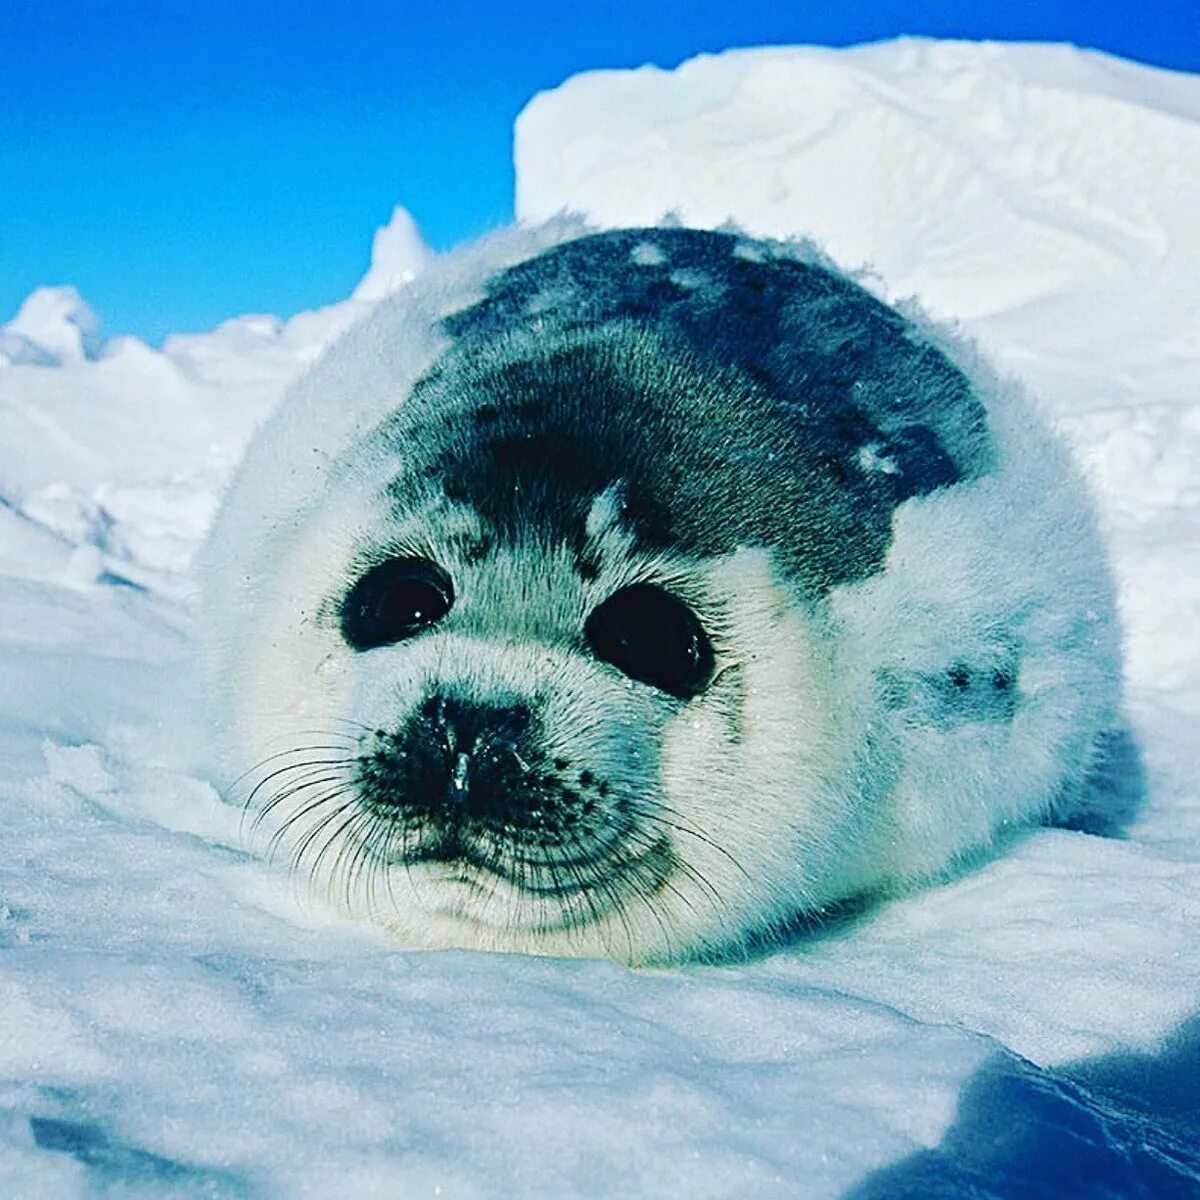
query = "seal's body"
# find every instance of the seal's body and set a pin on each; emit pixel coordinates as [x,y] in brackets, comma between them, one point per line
[632,593]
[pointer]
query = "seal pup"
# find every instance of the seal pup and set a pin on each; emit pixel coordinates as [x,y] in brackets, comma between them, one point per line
[632,593]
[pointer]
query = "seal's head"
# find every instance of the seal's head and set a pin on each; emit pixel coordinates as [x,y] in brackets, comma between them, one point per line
[559,609]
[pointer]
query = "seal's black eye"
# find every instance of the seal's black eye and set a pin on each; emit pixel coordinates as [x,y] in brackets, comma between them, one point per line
[395,600]
[652,637]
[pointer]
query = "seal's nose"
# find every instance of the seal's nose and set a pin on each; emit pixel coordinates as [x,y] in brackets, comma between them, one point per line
[467,759]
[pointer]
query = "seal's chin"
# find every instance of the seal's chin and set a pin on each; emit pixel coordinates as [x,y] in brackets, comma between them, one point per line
[512,885]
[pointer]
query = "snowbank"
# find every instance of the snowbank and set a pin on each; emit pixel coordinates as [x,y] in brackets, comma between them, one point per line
[52,326]
[398,256]
[178,1022]
[124,447]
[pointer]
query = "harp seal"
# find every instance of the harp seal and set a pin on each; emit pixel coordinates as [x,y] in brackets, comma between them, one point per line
[632,593]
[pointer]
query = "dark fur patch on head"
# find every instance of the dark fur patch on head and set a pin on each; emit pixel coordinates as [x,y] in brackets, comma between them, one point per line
[587,566]
[475,550]
[742,401]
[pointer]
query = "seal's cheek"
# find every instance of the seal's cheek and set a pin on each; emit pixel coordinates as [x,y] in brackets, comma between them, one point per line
[291,669]
[766,762]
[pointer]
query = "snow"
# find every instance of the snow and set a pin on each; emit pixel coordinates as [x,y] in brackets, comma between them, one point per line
[52,326]
[398,256]
[181,1020]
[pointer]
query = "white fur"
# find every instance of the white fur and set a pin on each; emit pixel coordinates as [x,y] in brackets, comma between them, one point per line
[792,786]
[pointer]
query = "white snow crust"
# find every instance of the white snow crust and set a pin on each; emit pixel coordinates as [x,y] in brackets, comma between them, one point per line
[398,256]
[177,1019]
[54,325]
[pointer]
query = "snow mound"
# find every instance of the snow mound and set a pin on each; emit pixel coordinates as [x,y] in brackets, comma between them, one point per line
[398,256]
[984,178]
[123,448]
[53,326]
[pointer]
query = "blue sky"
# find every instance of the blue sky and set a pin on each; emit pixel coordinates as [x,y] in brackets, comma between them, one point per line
[182,161]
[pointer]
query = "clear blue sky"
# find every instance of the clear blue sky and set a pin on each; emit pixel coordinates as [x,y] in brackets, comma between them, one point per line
[182,161]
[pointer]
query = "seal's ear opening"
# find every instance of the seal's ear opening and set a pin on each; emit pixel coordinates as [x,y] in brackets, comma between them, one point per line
[652,637]
[395,600]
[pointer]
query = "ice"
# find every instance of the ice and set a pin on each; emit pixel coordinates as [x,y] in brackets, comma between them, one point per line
[54,325]
[398,255]
[178,1019]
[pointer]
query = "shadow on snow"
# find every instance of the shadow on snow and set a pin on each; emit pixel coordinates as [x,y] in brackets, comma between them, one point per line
[1124,1125]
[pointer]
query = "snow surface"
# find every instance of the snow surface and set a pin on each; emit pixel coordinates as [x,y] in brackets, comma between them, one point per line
[54,325]
[177,1019]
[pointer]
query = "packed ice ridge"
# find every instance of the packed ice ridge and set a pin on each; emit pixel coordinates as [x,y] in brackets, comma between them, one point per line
[181,1020]
[53,326]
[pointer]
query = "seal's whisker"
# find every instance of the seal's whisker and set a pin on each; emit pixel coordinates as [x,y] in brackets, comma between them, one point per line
[250,821]
[319,777]
[354,724]
[258,766]
[282,833]
[689,869]
[581,893]
[635,869]
[376,865]
[349,841]
[681,824]
[284,770]
[310,836]
[335,838]
[360,848]
[664,879]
